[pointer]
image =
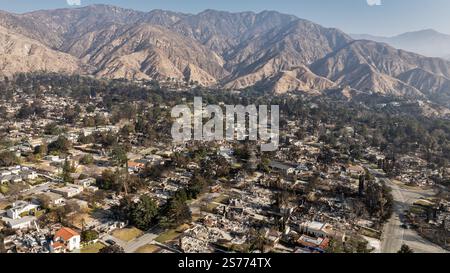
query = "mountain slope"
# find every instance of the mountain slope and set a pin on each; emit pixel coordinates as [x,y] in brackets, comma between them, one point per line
[426,42]
[22,54]
[370,66]
[152,52]
[56,27]
[276,52]
[282,48]
[427,82]
[298,79]
[220,31]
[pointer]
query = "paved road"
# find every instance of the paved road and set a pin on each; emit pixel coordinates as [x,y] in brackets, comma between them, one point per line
[133,245]
[146,239]
[394,236]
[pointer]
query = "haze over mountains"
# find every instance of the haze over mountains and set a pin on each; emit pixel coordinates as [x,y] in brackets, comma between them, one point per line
[427,42]
[279,52]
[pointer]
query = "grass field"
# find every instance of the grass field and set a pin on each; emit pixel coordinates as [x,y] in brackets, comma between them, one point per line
[127,234]
[4,189]
[147,249]
[215,203]
[171,234]
[93,248]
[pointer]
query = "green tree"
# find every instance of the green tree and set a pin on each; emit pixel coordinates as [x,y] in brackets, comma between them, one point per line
[119,156]
[90,108]
[107,181]
[176,211]
[405,249]
[68,169]
[8,159]
[87,160]
[144,212]
[61,145]
[2,243]
[197,186]
[41,150]
[120,159]
[89,235]
[89,122]
[112,249]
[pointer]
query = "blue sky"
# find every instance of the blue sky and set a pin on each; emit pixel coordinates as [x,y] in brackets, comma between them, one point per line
[353,16]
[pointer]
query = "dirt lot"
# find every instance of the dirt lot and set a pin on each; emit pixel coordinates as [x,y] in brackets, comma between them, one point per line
[127,234]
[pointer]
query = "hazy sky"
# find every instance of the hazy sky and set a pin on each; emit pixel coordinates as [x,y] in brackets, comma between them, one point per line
[353,16]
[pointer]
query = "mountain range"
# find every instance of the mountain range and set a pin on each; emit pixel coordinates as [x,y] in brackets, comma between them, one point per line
[277,52]
[427,42]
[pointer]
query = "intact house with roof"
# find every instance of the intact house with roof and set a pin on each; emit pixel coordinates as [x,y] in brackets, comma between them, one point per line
[17,174]
[85,183]
[65,240]
[69,191]
[20,209]
[21,215]
[54,199]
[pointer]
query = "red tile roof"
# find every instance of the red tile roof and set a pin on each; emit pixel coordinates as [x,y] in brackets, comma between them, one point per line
[133,164]
[66,234]
[58,245]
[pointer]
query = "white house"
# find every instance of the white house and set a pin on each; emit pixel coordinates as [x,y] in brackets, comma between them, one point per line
[85,183]
[21,208]
[66,239]
[54,199]
[21,223]
[68,191]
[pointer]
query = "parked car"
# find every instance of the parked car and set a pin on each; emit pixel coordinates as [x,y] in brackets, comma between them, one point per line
[111,242]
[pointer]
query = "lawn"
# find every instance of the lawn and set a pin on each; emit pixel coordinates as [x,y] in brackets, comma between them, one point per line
[171,234]
[37,181]
[221,199]
[211,207]
[147,249]
[93,248]
[168,236]
[4,189]
[216,201]
[370,233]
[127,234]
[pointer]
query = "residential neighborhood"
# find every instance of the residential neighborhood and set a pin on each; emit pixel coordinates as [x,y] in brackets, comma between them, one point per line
[137,129]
